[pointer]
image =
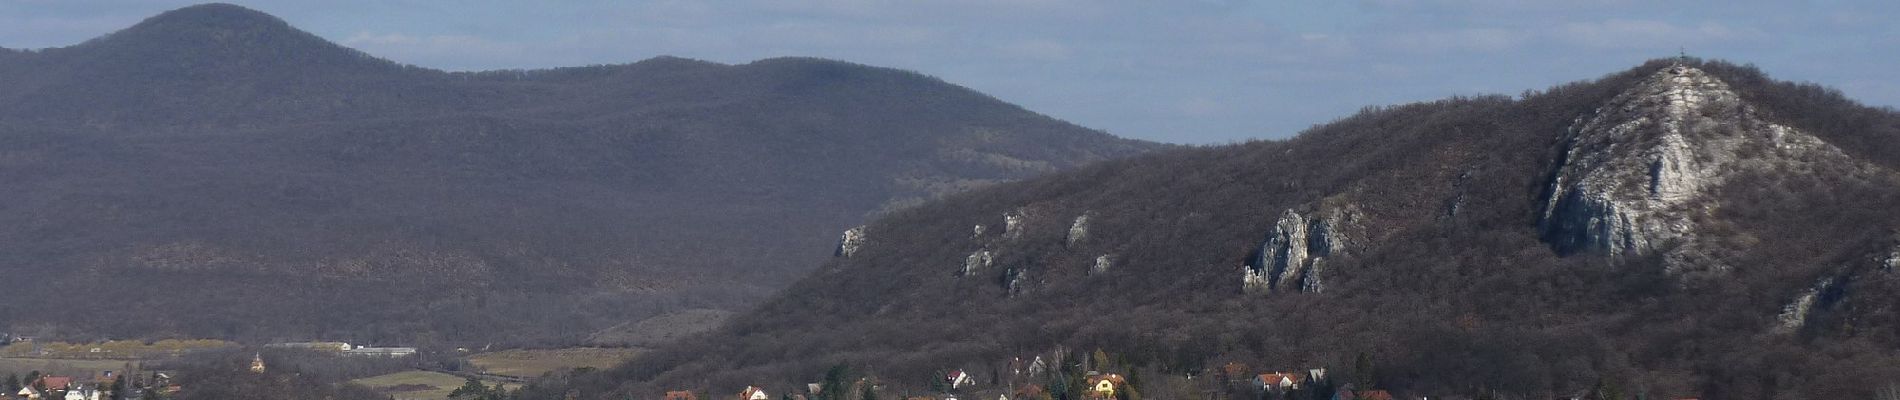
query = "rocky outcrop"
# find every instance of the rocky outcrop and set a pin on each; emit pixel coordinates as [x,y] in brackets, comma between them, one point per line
[1797,312]
[1079,230]
[977,261]
[1635,174]
[1102,264]
[1293,255]
[1016,280]
[1013,225]
[850,242]
[976,231]
[1892,260]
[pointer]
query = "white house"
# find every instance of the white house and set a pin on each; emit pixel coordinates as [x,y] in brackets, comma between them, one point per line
[754,393]
[958,379]
[83,393]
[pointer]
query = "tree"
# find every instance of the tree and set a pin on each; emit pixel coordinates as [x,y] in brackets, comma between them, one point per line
[13,383]
[868,393]
[118,387]
[471,389]
[1362,372]
[834,386]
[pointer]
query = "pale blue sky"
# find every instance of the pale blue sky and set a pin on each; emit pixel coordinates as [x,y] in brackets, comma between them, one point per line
[1184,71]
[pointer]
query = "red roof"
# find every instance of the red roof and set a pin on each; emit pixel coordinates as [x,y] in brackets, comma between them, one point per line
[1375,395]
[56,382]
[1275,378]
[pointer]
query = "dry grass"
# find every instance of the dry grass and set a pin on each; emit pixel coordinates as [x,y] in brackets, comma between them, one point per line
[21,366]
[440,384]
[533,363]
[112,349]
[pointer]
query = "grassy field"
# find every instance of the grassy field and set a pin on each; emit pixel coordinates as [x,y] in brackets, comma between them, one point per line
[21,366]
[114,349]
[533,363]
[439,384]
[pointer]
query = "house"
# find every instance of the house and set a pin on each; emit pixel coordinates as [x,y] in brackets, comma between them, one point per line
[1103,386]
[55,383]
[958,379]
[1277,381]
[83,393]
[29,392]
[754,393]
[1037,367]
[1316,375]
[680,395]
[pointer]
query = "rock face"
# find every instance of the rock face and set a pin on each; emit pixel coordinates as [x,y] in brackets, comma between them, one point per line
[1892,262]
[1795,315]
[1079,230]
[850,242]
[1102,264]
[1013,225]
[1294,253]
[977,261]
[1635,174]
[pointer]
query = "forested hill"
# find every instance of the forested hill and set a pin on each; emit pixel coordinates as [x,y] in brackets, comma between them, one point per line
[214,172]
[1674,230]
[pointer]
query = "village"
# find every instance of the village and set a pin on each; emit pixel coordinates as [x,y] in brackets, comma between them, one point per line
[1091,376]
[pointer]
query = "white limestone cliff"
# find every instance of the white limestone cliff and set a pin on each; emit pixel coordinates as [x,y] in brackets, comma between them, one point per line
[1293,255]
[1079,230]
[1636,174]
[850,242]
[977,261]
[1102,264]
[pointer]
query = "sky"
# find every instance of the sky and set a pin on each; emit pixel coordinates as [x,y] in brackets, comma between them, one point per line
[1180,71]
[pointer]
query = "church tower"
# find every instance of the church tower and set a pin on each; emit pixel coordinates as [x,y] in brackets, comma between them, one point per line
[257,363]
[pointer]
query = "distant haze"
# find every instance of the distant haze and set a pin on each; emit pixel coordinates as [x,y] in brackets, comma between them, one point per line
[1205,71]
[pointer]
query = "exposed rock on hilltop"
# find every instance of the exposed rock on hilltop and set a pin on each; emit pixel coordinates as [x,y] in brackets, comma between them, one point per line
[1637,175]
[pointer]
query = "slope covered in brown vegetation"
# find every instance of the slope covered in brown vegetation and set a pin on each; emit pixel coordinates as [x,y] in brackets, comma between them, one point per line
[214,172]
[1695,230]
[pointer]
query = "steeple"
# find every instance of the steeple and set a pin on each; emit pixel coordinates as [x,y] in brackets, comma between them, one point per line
[257,363]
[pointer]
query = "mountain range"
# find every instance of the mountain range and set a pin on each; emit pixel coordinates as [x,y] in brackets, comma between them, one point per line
[1682,229]
[214,172]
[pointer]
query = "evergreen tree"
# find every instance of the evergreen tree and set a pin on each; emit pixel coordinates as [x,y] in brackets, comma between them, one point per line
[13,384]
[1362,372]
[118,387]
[868,393]
[834,386]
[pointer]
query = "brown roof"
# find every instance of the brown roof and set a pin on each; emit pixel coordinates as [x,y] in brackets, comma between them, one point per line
[56,382]
[1375,395]
[680,395]
[1275,377]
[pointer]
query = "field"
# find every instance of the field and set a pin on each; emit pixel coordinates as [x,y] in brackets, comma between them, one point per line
[112,349]
[21,366]
[533,363]
[429,385]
